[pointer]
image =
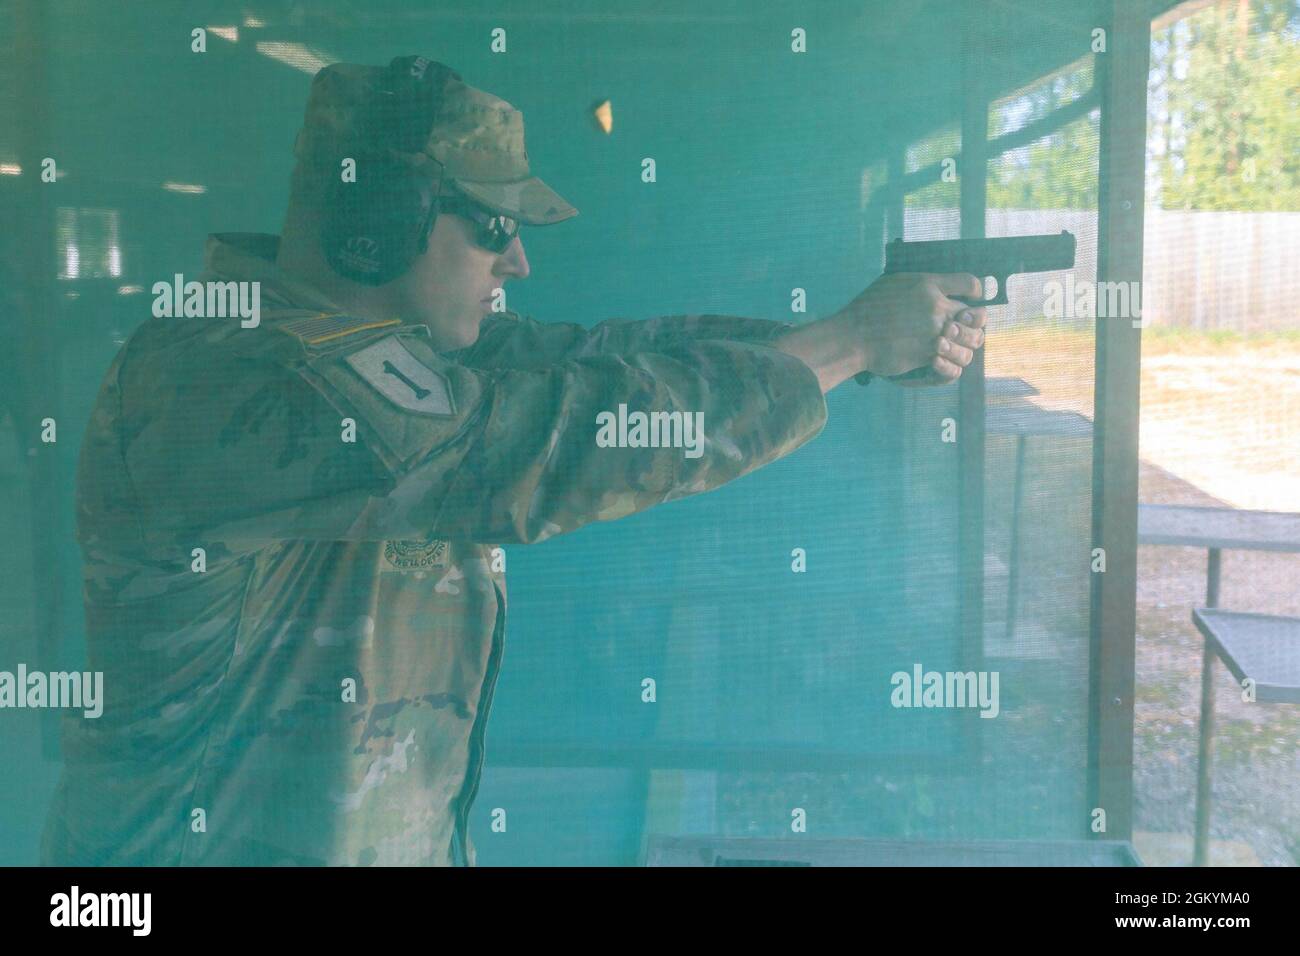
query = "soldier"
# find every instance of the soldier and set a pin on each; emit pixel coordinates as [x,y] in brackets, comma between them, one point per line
[291,532]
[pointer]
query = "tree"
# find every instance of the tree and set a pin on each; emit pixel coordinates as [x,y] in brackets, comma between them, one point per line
[1225,108]
[1056,171]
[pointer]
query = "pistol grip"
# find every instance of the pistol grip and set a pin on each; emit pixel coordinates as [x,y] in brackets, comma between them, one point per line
[864,378]
[998,298]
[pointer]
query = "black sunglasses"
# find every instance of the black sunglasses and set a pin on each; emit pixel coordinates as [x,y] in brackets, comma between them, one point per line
[493,231]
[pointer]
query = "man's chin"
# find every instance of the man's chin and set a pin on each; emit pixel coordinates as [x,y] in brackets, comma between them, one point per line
[460,337]
[473,330]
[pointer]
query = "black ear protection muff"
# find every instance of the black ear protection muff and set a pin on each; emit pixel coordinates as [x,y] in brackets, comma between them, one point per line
[377,226]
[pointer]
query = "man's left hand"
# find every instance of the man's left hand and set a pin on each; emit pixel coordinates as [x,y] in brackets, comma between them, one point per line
[957,344]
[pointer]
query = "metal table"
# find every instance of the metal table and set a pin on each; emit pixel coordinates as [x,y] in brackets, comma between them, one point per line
[1216,529]
[1006,388]
[1023,421]
[1262,648]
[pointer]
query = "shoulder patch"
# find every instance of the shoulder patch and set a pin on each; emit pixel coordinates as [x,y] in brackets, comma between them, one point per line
[390,368]
[324,329]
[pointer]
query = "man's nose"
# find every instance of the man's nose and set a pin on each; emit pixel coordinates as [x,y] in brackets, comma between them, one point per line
[513,261]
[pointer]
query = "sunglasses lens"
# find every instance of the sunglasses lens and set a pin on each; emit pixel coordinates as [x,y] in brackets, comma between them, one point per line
[495,232]
[501,230]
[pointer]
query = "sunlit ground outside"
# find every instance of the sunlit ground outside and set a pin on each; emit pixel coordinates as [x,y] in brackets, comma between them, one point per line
[1219,427]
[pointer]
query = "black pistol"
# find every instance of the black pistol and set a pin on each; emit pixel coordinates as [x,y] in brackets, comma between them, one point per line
[982,258]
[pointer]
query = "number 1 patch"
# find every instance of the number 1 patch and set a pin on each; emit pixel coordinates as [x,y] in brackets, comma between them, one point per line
[402,378]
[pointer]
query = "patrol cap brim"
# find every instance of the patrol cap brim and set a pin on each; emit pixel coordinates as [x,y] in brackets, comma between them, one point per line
[529,200]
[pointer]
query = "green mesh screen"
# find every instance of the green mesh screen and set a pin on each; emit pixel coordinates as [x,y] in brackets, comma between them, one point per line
[776,170]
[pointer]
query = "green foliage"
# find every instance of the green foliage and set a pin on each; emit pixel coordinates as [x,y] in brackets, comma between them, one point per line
[1225,108]
[1219,337]
[1224,122]
[1056,171]
[1060,172]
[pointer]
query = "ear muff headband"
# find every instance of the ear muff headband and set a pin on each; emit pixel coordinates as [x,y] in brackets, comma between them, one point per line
[377,226]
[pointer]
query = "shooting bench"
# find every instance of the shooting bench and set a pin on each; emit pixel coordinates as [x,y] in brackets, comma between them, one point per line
[1262,648]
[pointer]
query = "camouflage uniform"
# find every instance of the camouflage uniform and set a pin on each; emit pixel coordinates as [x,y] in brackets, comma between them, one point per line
[370,561]
[366,563]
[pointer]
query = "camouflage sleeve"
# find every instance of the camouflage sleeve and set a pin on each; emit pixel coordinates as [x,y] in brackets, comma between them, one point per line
[509,340]
[257,452]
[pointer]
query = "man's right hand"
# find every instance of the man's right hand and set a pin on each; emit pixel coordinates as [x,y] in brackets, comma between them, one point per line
[909,322]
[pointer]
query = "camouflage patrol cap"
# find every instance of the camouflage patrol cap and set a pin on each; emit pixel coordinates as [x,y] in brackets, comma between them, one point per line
[476,141]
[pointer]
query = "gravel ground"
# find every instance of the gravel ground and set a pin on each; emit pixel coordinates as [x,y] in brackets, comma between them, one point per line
[1219,426]
[1257,761]
[1210,436]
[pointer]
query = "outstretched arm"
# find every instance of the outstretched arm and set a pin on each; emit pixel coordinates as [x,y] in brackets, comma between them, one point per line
[510,341]
[899,323]
[437,448]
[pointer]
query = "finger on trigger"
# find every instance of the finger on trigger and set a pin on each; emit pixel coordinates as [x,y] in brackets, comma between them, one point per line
[960,283]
